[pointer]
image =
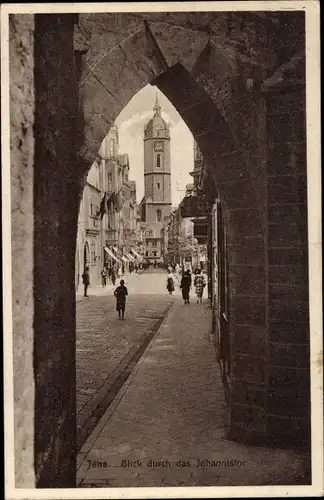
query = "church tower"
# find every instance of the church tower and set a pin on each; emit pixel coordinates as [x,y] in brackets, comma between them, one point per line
[157,168]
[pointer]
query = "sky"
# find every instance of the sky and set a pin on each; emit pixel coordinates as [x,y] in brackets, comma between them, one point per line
[131,123]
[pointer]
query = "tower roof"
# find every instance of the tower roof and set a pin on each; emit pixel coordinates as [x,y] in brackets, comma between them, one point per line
[156,122]
[157,107]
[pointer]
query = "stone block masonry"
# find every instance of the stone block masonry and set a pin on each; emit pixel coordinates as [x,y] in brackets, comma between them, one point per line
[288,348]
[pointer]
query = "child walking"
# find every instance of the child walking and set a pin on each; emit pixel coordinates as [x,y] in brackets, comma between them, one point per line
[120,293]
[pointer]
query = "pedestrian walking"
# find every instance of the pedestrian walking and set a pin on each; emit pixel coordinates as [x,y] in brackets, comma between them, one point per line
[170,283]
[86,280]
[120,293]
[109,272]
[185,286]
[199,284]
[113,276]
[104,277]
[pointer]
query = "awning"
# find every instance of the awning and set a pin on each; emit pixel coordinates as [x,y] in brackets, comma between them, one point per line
[129,256]
[124,259]
[111,254]
[136,254]
[116,249]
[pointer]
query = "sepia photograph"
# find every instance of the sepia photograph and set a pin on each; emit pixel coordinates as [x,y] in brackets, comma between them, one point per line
[161,186]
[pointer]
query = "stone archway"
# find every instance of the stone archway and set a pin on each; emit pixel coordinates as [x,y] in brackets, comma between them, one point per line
[104,73]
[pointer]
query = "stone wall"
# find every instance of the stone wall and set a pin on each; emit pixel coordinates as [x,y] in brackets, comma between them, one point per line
[22,102]
[289,341]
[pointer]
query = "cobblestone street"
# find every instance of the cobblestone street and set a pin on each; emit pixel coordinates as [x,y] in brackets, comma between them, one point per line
[166,424]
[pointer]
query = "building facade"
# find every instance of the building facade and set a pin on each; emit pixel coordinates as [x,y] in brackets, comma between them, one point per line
[108,214]
[156,203]
[89,236]
[180,243]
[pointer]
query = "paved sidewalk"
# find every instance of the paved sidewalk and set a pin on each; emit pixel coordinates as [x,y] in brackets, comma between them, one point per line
[171,416]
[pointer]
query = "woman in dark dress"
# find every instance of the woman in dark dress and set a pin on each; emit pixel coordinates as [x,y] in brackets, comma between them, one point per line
[120,293]
[170,283]
[185,286]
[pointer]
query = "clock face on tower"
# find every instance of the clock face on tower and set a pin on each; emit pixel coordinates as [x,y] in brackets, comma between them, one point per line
[158,146]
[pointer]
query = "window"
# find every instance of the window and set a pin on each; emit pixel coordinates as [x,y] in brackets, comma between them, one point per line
[146,253]
[112,148]
[158,161]
[93,254]
[154,253]
[158,185]
[109,181]
[158,215]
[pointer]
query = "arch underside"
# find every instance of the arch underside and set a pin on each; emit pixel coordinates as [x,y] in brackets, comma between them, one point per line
[201,80]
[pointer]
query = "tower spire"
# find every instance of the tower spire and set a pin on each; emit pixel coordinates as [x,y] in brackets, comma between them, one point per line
[157,107]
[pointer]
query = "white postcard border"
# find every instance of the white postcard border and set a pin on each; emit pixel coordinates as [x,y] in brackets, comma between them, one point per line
[311,9]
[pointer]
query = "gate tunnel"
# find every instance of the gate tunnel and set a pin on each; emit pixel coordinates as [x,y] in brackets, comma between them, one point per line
[255,143]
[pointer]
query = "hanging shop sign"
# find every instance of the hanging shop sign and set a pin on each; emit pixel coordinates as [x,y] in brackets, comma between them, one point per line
[194,206]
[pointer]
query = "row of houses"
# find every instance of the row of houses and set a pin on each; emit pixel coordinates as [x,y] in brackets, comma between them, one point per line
[108,215]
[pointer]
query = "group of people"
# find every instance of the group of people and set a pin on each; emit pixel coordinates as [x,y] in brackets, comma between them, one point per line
[121,291]
[108,274]
[199,283]
[111,273]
